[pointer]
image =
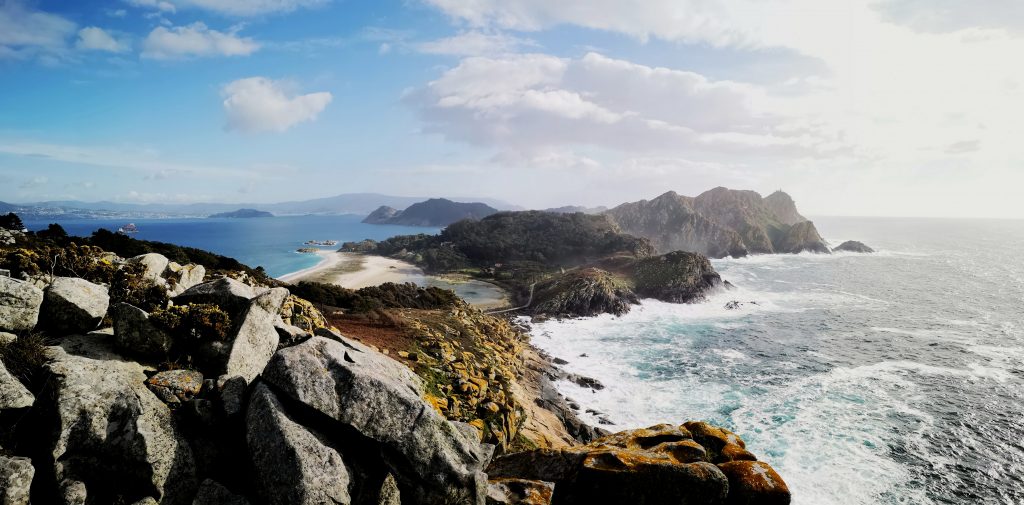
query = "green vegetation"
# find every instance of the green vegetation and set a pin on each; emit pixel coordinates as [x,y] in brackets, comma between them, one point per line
[11,221]
[24,358]
[202,322]
[386,296]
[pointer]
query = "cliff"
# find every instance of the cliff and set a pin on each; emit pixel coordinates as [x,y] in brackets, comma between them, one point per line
[144,382]
[436,212]
[720,222]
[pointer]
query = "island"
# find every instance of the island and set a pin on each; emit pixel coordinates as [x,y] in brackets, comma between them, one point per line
[243,213]
[435,212]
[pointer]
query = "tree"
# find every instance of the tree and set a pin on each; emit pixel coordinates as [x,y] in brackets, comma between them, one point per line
[54,232]
[11,221]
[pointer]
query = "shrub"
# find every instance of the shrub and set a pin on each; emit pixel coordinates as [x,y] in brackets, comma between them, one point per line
[198,321]
[11,221]
[129,286]
[24,358]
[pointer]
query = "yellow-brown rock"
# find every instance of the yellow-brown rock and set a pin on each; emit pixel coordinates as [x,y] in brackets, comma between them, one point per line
[754,482]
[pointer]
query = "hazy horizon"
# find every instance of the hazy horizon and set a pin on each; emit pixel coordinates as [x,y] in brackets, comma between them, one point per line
[874,108]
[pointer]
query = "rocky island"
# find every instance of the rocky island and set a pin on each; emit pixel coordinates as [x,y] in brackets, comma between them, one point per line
[146,380]
[435,212]
[721,222]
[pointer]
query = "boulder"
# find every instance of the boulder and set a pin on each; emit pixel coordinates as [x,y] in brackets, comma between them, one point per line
[15,480]
[292,464]
[232,394]
[754,482]
[183,277]
[212,493]
[13,395]
[519,492]
[153,264]
[854,246]
[113,439]
[256,339]
[231,295]
[176,386]
[73,305]
[7,338]
[289,335]
[381,400]
[136,335]
[19,305]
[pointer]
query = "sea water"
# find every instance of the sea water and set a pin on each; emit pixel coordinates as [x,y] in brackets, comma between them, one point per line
[889,378]
[270,242]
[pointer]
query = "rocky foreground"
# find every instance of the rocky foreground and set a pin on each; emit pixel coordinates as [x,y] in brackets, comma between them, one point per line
[224,391]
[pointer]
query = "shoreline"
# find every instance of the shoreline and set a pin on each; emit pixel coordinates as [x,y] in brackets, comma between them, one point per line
[355,271]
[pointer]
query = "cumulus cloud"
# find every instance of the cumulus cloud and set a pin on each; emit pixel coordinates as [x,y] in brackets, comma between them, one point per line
[474,43]
[540,102]
[258,104]
[195,40]
[253,7]
[25,32]
[97,39]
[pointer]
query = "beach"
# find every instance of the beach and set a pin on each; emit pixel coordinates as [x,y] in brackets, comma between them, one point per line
[354,271]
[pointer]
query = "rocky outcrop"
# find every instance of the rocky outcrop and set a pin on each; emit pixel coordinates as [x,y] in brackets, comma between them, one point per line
[802,237]
[256,339]
[676,277]
[583,293]
[19,304]
[114,440]
[854,246]
[136,335]
[694,464]
[382,215]
[292,463]
[73,305]
[720,222]
[15,480]
[381,400]
[13,395]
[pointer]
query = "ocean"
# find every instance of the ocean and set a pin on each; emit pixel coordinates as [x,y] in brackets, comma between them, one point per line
[267,242]
[889,378]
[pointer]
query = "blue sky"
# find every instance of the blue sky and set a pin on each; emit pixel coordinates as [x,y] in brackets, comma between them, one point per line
[857,107]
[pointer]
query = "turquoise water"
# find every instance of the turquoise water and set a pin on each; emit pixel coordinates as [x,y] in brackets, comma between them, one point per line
[892,378]
[267,242]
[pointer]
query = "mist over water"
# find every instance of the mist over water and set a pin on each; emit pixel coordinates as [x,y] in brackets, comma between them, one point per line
[896,377]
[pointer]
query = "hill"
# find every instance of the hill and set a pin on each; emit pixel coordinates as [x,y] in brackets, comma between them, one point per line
[243,213]
[721,222]
[435,212]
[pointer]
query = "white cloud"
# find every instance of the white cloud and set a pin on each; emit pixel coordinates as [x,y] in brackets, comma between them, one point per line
[195,40]
[258,104]
[158,5]
[536,102]
[25,33]
[474,43]
[97,39]
[253,7]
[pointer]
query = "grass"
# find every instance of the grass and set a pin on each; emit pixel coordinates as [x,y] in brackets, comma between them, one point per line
[24,358]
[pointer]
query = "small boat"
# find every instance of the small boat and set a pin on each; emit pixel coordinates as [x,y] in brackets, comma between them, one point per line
[128,229]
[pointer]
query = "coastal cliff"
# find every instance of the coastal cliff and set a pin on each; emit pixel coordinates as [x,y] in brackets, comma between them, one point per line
[141,380]
[720,222]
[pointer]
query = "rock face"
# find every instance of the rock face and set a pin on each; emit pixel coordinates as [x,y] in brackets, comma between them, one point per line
[293,465]
[114,440]
[256,339]
[381,400]
[694,464]
[13,395]
[73,305]
[19,305]
[135,335]
[212,493]
[583,293]
[15,480]
[677,277]
[434,212]
[720,222]
[854,246]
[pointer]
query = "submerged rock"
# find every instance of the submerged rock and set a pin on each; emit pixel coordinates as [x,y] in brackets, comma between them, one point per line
[19,304]
[73,305]
[293,465]
[854,246]
[114,439]
[382,401]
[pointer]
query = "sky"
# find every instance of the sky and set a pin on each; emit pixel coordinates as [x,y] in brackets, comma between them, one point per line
[854,107]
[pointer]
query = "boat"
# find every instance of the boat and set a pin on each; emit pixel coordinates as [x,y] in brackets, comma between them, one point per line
[128,229]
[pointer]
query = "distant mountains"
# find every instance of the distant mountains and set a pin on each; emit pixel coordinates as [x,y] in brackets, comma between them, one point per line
[720,222]
[350,203]
[435,212]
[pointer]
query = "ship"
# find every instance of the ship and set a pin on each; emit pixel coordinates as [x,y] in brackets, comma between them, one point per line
[128,229]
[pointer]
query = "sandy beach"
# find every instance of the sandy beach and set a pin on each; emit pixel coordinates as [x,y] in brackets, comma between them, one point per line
[356,271]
